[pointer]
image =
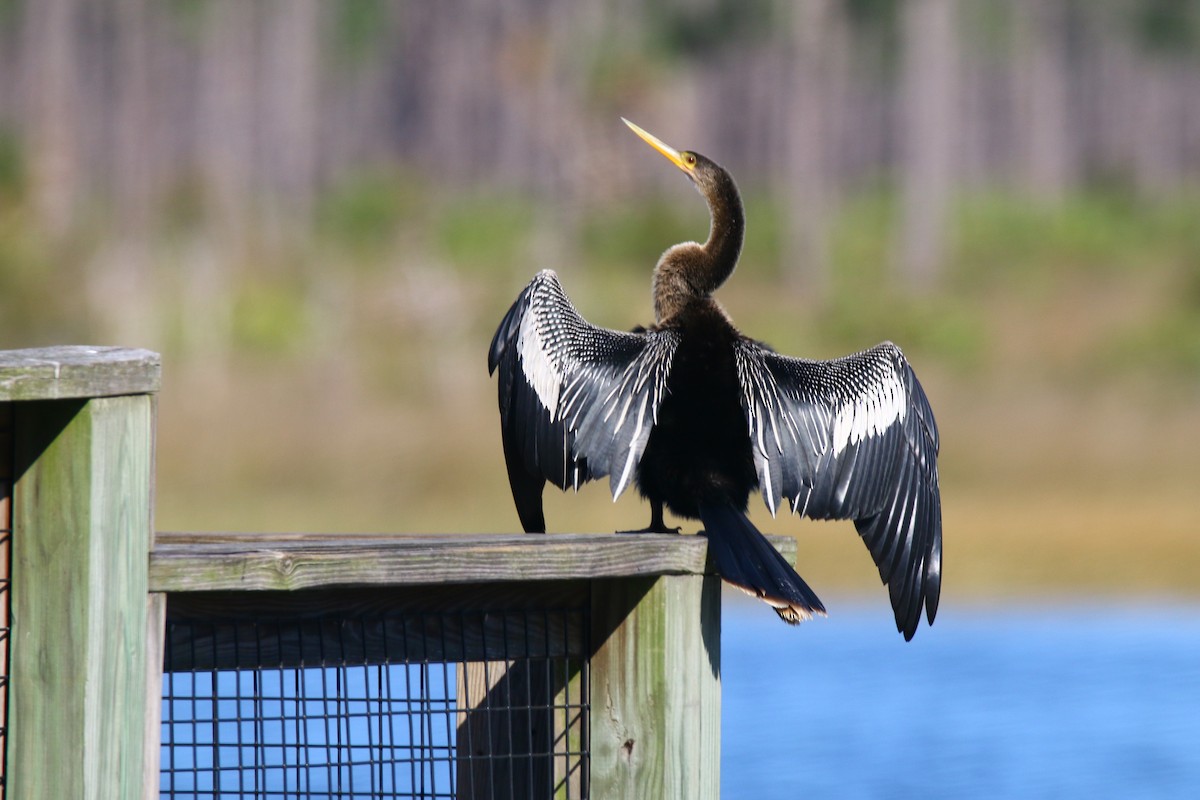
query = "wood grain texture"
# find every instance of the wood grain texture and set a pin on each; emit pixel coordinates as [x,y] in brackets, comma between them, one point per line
[81,532]
[656,688]
[58,373]
[261,562]
[6,471]
[156,612]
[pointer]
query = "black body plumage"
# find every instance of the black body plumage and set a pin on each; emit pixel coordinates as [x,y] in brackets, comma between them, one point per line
[698,416]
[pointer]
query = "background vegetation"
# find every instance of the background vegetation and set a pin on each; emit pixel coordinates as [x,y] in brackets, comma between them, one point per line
[318,211]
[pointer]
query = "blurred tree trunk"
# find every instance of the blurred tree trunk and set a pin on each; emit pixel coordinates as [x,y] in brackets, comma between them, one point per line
[227,119]
[1157,169]
[1190,126]
[135,130]
[120,281]
[1112,126]
[1043,104]
[226,159]
[50,90]
[928,128]
[465,126]
[10,64]
[290,96]
[247,105]
[558,135]
[812,87]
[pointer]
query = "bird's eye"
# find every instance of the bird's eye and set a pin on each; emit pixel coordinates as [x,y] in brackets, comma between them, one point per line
[689,159]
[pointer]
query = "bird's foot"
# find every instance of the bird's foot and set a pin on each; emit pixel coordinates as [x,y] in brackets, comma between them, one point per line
[652,528]
[657,525]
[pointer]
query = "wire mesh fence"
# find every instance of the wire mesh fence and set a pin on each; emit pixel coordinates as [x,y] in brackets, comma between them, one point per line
[396,704]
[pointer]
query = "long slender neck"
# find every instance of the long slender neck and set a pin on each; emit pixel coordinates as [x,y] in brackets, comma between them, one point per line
[725,233]
[690,271]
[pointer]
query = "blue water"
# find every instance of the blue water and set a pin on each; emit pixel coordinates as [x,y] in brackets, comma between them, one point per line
[1059,701]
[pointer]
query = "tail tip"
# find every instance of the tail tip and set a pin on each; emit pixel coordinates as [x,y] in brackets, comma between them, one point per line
[794,614]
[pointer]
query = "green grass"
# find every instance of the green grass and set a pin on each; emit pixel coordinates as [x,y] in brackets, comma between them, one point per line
[485,231]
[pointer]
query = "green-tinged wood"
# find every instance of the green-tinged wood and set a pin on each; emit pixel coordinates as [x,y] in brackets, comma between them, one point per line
[6,473]
[81,532]
[57,373]
[156,612]
[198,562]
[656,687]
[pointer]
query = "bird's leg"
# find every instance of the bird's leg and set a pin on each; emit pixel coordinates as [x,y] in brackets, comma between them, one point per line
[657,525]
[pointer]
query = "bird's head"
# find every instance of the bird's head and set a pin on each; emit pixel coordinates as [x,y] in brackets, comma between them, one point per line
[689,270]
[707,175]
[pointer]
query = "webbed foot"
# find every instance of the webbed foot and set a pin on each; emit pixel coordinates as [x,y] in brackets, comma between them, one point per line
[657,524]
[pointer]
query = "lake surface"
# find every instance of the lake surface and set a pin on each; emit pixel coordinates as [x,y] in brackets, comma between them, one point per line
[1055,701]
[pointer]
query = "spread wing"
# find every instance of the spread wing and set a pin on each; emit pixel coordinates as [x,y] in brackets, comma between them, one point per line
[853,438]
[577,402]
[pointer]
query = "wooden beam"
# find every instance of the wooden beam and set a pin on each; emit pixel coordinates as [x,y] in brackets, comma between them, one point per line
[6,474]
[655,717]
[59,373]
[485,622]
[262,562]
[156,609]
[506,731]
[81,532]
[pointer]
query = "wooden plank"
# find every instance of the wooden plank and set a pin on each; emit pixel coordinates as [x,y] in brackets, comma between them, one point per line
[5,616]
[467,636]
[505,732]
[476,736]
[6,472]
[451,624]
[81,532]
[258,562]
[655,691]
[156,612]
[571,734]
[373,601]
[6,444]
[57,373]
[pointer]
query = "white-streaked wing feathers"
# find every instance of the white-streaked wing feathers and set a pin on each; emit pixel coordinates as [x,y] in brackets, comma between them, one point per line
[853,438]
[582,399]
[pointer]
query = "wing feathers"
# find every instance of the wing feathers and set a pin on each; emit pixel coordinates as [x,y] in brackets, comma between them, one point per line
[853,438]
[577,402]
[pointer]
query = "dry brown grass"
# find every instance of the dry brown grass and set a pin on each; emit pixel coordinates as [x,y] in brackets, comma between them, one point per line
[1044,491]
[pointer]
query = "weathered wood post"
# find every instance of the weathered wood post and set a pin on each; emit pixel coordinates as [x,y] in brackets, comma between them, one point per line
[656,687]
[79,453]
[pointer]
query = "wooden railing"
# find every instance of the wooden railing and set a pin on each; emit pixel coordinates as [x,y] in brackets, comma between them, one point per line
[92,589]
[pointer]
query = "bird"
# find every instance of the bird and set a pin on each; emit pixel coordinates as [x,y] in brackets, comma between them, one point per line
[698,416]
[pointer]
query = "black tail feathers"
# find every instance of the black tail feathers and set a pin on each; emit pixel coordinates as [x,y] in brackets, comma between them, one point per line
[745,558]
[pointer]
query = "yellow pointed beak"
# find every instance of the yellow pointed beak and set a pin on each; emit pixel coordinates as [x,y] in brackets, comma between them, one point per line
[658,144]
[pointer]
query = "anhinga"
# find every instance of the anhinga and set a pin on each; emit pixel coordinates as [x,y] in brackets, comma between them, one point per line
[698,415]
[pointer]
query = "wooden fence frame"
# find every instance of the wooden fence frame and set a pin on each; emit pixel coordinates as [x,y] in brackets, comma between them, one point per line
[91,587]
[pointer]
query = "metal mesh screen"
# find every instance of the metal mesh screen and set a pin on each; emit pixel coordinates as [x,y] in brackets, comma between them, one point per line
[409,704]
